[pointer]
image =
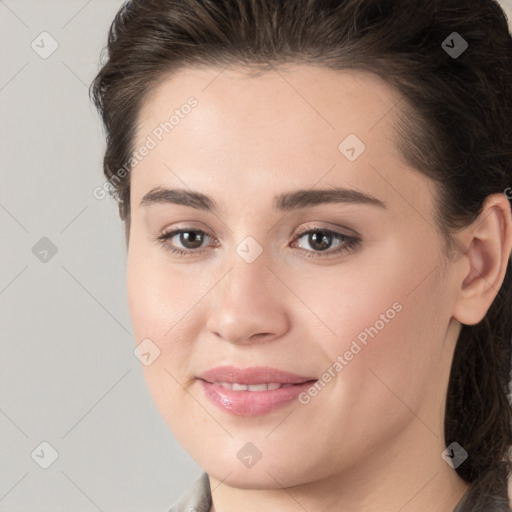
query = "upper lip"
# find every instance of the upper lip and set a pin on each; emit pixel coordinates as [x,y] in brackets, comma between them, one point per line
[252,375]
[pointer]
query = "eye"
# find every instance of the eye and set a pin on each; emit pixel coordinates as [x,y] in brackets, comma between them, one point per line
[319,239]
[191,239]
[322,240]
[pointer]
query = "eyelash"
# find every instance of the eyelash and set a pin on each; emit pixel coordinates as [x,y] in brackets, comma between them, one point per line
[351,243]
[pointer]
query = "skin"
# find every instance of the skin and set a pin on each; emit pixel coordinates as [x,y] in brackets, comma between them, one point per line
[372,438]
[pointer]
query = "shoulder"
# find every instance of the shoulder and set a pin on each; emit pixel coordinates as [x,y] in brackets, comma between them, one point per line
[196,498]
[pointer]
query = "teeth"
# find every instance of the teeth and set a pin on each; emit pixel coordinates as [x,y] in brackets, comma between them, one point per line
[252,387]
[239,387]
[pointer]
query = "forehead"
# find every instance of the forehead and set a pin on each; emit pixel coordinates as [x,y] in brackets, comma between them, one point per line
[327,100]
[285,125]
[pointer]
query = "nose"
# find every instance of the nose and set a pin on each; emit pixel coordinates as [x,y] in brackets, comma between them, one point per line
[249,304]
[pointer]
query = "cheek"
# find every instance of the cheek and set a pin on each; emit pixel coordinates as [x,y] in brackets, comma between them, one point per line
[160,297]
[390,322]
[385,354]
[161,305]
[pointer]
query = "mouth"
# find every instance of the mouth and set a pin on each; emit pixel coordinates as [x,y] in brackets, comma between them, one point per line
[252,391]
[256,378]
[264,386]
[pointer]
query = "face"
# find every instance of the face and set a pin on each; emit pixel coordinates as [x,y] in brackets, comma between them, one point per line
[266,268]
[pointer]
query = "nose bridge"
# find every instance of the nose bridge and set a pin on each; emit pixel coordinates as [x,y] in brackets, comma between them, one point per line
[249,262]
[247,283]
[247,302]
[248,277]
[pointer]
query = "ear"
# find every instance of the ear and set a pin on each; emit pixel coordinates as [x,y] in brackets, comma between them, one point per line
[484,263]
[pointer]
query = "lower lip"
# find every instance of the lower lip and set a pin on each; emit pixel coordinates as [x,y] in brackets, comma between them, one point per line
[252,403]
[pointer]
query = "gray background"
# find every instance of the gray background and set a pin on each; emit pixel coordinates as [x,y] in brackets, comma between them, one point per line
[68,375]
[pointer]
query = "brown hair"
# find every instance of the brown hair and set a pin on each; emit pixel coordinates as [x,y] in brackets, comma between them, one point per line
[455,127]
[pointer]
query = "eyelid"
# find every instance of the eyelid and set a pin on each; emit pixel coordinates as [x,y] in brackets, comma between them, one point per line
[336,230]
[174,231]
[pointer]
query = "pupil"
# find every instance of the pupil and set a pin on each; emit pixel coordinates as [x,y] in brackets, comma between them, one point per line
[324,241]
[190,237]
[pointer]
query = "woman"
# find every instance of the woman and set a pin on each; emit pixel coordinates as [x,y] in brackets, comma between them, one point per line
[319,236]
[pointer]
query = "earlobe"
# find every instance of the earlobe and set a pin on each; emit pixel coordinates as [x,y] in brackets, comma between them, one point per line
[489,242]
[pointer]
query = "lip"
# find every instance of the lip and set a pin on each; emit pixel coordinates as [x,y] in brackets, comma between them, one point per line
[252,403]
[252,375]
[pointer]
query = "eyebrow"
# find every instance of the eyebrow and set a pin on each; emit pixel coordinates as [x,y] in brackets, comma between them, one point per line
[282,203]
